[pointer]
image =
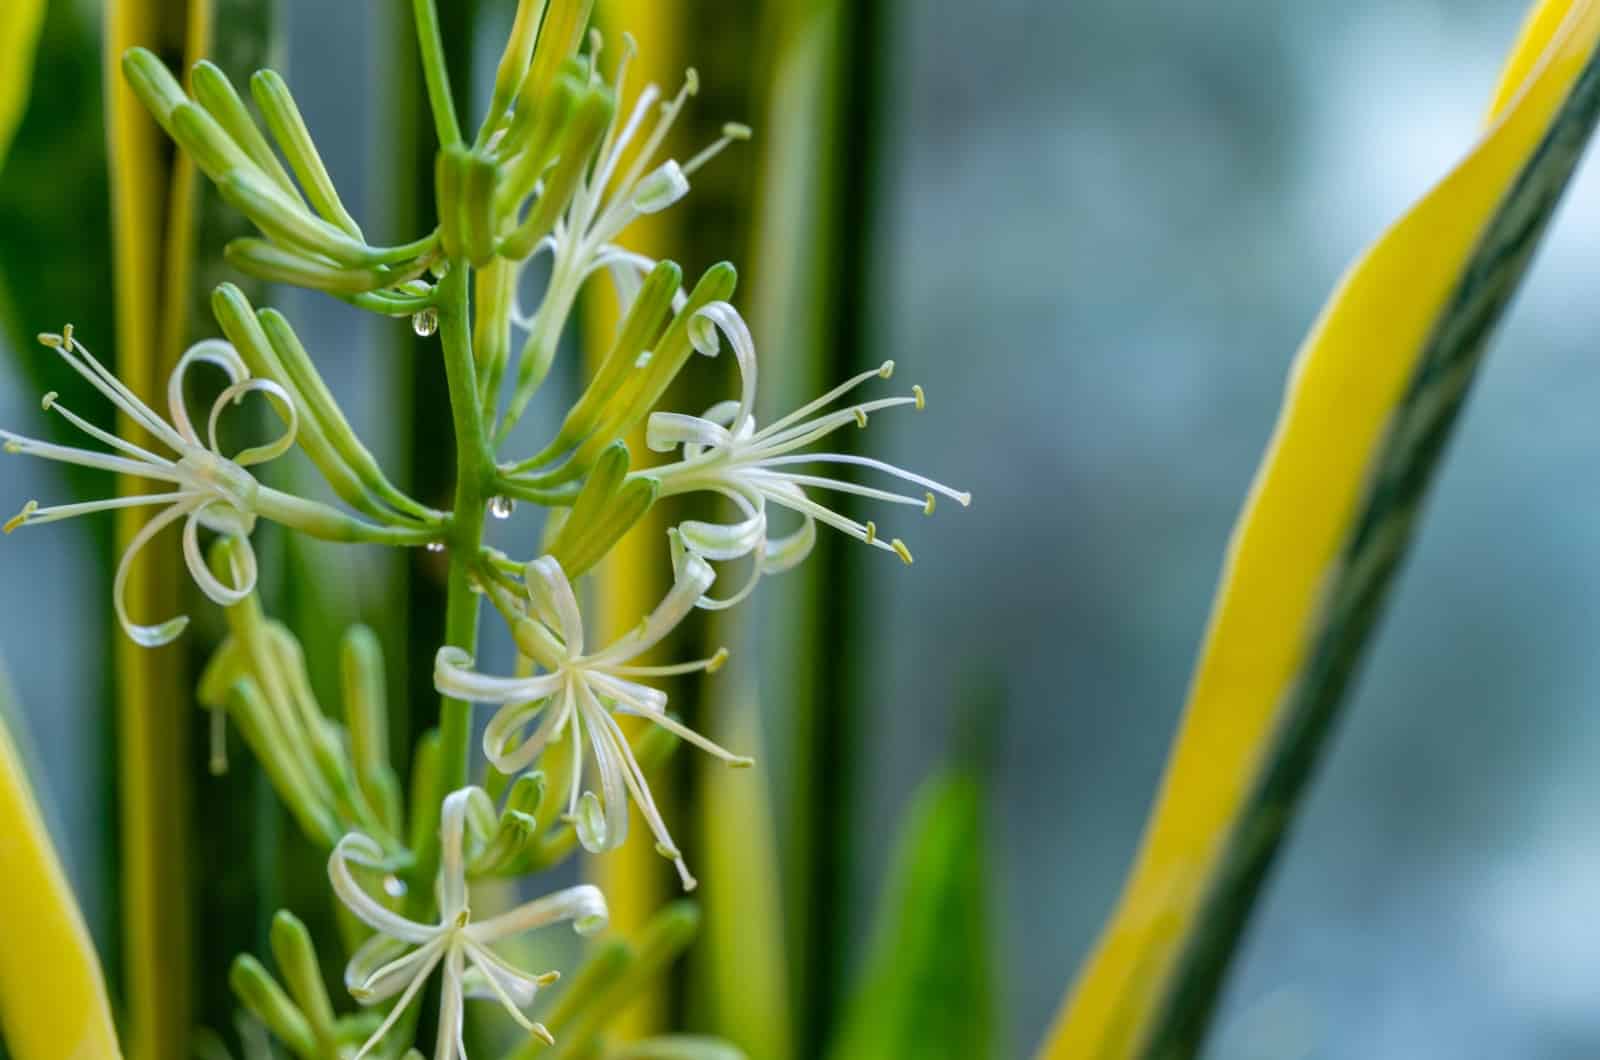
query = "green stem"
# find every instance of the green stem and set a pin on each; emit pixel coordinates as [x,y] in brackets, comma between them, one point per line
[433,70]
[474,473]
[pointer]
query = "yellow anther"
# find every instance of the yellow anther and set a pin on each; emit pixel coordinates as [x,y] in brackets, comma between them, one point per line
[48,400]
[541,1032]
[927,505]
[51,339]
[872,531]
[861,416]
[691,81]
[741,762]
[21,517]
[13,447]
[734,130]
[886,370]
[901,550]
[920,398]
[668,852]
[717,660]
[546,978]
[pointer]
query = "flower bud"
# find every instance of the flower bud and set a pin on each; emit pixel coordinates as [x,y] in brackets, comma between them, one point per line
[297,960]
[258,992]
[294,140]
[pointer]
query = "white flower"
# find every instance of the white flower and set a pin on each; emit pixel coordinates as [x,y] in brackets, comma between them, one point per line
[576,696]
[725,453]
[403,954]
[610,196]
[209,489]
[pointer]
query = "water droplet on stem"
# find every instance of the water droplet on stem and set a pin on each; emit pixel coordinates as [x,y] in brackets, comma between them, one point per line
[426,322]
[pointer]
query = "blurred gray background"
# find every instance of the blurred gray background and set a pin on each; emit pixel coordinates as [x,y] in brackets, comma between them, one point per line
[1105,227]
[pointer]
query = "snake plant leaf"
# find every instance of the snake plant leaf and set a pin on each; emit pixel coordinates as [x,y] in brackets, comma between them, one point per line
[926,988]
[742,968]
[53,1003]
[1368,408]
[20,23]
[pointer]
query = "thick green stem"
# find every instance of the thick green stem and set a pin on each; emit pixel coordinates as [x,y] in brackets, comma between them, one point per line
[474,474]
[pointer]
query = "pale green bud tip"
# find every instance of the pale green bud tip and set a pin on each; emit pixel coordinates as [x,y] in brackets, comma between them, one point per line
[22,516]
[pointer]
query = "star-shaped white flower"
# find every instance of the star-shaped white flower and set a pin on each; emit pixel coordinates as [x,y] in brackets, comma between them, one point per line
[725,453]
[576,696]
[610,196]
[209,489]
[403,954]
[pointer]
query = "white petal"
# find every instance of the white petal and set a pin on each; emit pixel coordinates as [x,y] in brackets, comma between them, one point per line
[730,323]
[453,676]
[660,188]
[162,633]
[665,431]
[613,788]
[243,559]
[452,855]
[499,738]
[279,399]
[361,850]
[435,951]
[382,967]
[209,351]
[691,580]
[584,905]
[448,1046]
[552,592]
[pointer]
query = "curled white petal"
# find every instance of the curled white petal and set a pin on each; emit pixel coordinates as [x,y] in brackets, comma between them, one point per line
[163,632]
[207,351]
[454,676]
[584,905]
[361,850]
[552,592]
[280,400]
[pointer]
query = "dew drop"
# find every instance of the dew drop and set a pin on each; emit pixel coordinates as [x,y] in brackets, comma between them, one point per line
[394,886]
[435,546]
[502,507]
[426,322]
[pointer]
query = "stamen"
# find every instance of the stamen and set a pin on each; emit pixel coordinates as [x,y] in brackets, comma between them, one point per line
[861,416]
[730,132]
[542,1032]
[48,400]
[927,509]
[717,660]
[920,398]
[21,517]
[886,370]
[872,531]
[901,550]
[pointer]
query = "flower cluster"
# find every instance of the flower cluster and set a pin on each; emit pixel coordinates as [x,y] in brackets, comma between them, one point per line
[555,165]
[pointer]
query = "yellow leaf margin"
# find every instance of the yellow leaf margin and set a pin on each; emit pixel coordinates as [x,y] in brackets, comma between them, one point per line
[53,1002]
[20,22]
[1346,382]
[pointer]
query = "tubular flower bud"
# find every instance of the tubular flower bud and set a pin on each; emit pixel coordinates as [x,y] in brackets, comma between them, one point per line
[210,489]
[725,453]
[576,696]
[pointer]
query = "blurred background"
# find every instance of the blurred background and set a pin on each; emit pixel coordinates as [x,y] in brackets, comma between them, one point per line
[1095,233]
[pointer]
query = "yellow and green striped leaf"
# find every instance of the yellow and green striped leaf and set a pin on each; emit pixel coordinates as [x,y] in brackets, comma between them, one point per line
[1369,405]
[53,1003]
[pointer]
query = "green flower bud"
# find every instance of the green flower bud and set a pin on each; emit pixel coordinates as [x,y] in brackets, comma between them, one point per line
[258,992]
[288,128]
[297,960]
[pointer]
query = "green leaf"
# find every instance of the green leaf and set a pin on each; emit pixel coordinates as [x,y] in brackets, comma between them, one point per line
[20,21]
[927,986]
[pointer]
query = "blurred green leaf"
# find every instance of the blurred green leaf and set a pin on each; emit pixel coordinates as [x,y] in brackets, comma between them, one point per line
[19,33]
[927,985]
[55,249]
